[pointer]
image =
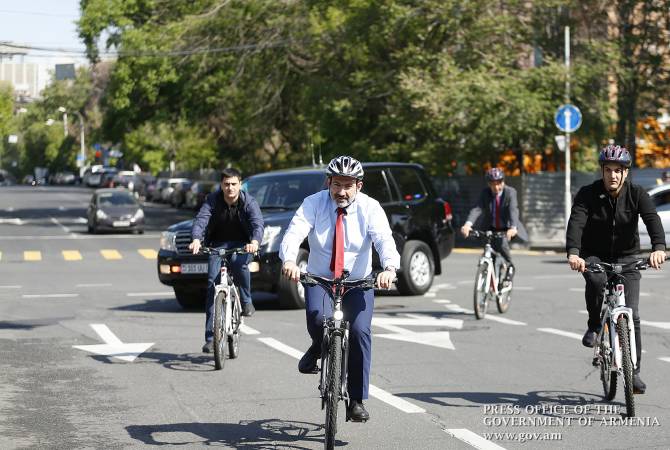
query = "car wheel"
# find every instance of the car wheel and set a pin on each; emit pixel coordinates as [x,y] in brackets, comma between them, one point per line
[190,298]
[418,269]
[292,295]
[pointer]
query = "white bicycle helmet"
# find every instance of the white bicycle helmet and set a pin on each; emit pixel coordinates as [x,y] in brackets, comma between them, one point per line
[345,166]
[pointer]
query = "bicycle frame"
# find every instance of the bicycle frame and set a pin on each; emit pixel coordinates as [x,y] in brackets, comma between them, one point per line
[488,258]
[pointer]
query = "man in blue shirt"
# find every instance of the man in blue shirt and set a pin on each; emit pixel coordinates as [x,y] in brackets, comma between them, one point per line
[229,218]
[362,222]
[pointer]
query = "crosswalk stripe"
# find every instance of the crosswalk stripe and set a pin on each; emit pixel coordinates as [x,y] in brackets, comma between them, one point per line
[110,254]
[32,255]
[72,255]
[148,253]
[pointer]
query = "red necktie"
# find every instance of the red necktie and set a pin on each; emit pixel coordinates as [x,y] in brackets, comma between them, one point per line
[498,223]
[337,257]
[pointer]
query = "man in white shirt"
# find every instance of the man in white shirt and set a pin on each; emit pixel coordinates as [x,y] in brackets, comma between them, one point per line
[364,224]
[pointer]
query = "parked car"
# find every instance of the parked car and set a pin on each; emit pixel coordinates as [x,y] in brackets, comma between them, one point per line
[660,195]
[195,196]
[63,178]
[154,190]
[178,195]
[421,223]
[167,191]
[114,209]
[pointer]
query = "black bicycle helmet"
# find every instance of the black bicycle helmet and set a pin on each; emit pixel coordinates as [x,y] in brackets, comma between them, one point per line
[615,154]
[495,174]
[345,166]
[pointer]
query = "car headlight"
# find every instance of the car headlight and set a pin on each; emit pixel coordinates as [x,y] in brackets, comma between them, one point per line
[168,241]
[100,214]
[270,233]
[139,215]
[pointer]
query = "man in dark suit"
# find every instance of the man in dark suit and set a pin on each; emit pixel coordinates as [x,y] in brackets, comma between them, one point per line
[498,210]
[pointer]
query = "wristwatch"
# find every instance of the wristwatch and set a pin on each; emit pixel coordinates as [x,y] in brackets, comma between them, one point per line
[389,269]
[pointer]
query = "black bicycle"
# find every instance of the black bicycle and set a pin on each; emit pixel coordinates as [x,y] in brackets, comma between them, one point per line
[227,309]
[615,351]
[335,347]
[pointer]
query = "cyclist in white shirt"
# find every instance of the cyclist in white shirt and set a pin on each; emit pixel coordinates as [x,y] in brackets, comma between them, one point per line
[365,224]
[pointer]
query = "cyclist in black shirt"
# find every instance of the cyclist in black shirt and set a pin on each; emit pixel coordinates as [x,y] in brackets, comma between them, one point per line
[603,227]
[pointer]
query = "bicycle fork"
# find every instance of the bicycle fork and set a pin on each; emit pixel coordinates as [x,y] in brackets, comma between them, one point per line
[332,327]
[612,319]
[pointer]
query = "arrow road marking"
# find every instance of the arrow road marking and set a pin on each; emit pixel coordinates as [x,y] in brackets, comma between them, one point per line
[438,339]
[113,346]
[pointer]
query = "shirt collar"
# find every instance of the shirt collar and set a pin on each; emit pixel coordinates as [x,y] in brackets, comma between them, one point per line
[352,208]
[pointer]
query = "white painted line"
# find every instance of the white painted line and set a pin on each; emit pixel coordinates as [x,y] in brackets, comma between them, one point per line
[664,358]
[561,333]
[246,329]
[661,325]
[465,282]
[149,294]
[473,439]
[93,285]
[274,343]
[460,309]
[504,320]
[442,301]
[113,346]
[645,294]
[49,295]
[396,402]
[105,333]
[380,394]
[524,288]
[11,286]
[576,289]
[63,227]
[430,294]
[441,286]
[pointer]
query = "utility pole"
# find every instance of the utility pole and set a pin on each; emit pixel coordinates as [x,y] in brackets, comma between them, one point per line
[568,197]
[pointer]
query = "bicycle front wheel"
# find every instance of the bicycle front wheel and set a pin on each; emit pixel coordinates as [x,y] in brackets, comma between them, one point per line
[504,299]
[481,291]
[607,376]
[626,363]
[333,388]
[235,321]
[219,331]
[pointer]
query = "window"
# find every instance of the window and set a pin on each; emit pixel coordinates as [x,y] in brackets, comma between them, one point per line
[410,185]
[374,185]
[662,201]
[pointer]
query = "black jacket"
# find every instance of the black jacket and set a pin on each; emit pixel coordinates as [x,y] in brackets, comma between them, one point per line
[600,226]
[248,210]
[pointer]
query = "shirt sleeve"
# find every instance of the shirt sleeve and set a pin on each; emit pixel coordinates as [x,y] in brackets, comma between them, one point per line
[300,226]
[202,218]
[382,237]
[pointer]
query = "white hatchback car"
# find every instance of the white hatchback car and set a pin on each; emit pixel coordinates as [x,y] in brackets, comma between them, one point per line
[660,195]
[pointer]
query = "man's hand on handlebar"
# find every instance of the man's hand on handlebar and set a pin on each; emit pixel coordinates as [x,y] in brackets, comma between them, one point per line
[251,247]
[291,271]
[195,246]
[577,263]
[465,230]
[511,232]
[656,259]
[385,279]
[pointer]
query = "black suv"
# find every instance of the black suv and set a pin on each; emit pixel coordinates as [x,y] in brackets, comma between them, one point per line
[421,224]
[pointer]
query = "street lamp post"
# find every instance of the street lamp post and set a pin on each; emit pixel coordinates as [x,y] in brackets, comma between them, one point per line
[64,111]
[82,142]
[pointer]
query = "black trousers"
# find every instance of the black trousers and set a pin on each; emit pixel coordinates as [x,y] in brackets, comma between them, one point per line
[595,283]
[501,245]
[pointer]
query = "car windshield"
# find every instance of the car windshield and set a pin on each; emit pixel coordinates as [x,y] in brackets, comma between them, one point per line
[286,191]
[116,199]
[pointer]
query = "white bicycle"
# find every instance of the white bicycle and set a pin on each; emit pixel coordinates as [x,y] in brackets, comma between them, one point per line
[489,283]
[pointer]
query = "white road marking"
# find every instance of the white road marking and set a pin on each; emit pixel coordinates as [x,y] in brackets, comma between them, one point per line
[92,285]
[63,227]
[664,358]
[246,329]
[524,288]
[149,294]
[430,294]
[576,289]
[376,392]
[442,286]
[504,320]
[442,301]
[661,325]
[417,320]
[439,339]
[113,346]
[49,295]
[560,333]
[13,221]
[78,236]
[11,286]
[473,439]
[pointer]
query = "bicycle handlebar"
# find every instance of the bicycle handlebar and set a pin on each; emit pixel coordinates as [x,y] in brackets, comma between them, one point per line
[640,264]
[487,233]
[363,283]
[224,251]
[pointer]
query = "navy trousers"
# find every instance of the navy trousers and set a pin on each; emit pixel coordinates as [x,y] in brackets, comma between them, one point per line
[357,306]
[239,266]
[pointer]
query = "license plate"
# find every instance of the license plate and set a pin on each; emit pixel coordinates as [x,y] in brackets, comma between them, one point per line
[121,223]
[194,268]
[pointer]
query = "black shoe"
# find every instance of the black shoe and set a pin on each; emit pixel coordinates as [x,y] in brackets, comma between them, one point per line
[356,412]
[248,310]
[307,363]
[638,385]
[509,276]
[208,347]
[589,339]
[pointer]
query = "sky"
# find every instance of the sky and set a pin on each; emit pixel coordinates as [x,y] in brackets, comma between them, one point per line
[45,23]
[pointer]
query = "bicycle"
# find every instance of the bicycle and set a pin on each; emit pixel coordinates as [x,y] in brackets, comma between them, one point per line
[488,281]
[615,351]
[227,309]
[335,347]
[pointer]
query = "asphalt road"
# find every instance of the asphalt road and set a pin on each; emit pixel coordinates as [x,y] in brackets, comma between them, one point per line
[442,379]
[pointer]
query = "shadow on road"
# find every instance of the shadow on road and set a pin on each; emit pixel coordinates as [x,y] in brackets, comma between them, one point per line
[157,305]
[542,402]
[257,434]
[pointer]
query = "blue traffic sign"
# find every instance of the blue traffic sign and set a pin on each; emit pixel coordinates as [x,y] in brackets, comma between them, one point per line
[568,118]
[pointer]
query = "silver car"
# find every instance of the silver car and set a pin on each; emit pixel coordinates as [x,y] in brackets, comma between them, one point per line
[660,195]
[114,210]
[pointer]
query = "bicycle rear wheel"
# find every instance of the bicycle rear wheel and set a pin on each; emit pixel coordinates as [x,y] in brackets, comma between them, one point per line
[626,363]
[219,331]
[481,291]
[607,376]
[234,337]
[334,381]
